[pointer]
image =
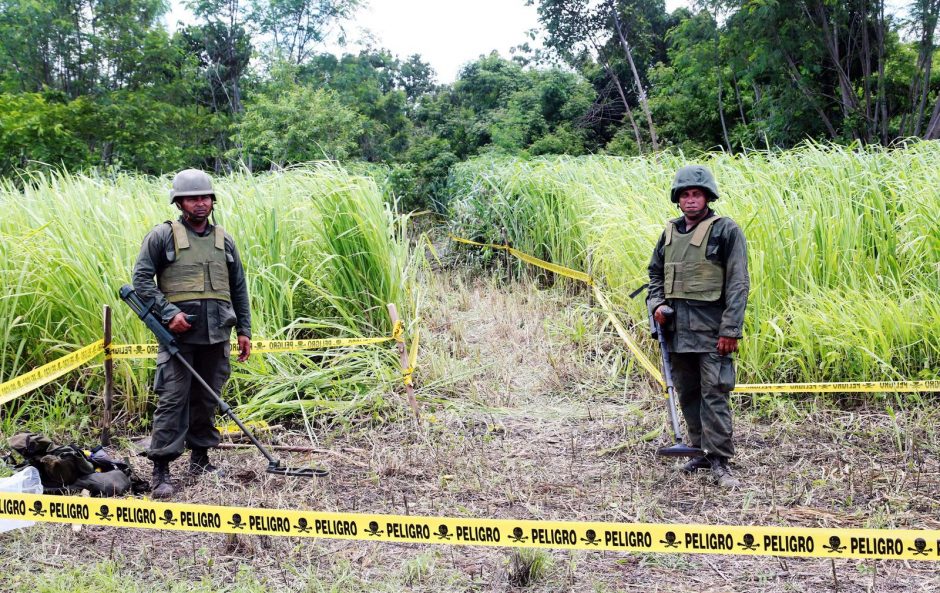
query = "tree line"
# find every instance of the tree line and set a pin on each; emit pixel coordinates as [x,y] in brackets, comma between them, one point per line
[103,84]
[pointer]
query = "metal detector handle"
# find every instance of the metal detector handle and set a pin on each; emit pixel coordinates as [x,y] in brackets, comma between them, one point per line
[148,314]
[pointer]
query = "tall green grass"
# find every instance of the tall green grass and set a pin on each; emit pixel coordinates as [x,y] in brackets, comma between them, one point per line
[844,246]
[322,249]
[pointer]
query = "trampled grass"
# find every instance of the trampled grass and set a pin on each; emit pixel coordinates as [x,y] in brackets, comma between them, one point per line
[322,249]
[844,249]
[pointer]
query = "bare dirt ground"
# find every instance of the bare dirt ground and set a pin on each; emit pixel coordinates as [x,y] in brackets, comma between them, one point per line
[534,411]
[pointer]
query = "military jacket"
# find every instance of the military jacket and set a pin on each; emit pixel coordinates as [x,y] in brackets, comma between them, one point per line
[214,317]
[697,324]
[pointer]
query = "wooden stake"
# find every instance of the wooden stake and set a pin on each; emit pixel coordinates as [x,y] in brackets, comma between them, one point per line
[108,381]
[405,369]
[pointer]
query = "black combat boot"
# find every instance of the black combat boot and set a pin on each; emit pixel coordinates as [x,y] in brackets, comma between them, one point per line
[696,463]
[161,486]
[199,463]
[721,473]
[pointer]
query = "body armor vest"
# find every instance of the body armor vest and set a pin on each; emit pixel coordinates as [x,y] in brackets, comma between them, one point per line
[200,270]
[688,274]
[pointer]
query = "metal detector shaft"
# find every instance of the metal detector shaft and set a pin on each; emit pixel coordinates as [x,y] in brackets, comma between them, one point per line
[145,310]
[679,449]
[670,386]
[274,464]
[225,408]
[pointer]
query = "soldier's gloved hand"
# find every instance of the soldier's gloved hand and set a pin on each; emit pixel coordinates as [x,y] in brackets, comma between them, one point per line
[727,345]
[659,317]
[244,348]
[179,324]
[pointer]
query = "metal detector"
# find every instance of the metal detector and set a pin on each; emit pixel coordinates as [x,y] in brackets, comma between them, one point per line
[147,313]
[678,449]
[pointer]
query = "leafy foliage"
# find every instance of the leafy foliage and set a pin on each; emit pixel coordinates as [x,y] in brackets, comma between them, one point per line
[90,84]
[297,124]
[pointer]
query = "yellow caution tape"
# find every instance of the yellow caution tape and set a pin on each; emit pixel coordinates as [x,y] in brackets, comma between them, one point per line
[48,372]
[641,357]
[469,242]
[894,544]
[117,351]
[260,346]
[263,346]
[232,428]
[38,377]
[844,387]
[848,387]
[562,270]
[576,275]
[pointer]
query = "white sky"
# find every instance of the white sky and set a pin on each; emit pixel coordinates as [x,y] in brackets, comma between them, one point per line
[447,33]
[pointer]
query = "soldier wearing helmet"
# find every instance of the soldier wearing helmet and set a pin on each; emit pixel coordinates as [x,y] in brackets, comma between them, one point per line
[192,269]
[699,269]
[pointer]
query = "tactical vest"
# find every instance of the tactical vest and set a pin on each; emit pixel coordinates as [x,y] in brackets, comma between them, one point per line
[200,270]
[688,274]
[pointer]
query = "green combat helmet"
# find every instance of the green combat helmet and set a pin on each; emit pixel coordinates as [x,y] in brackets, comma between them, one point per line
[191,182]
[694,176]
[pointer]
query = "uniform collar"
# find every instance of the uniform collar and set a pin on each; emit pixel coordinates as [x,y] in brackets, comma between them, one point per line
[680,222]
[209,227]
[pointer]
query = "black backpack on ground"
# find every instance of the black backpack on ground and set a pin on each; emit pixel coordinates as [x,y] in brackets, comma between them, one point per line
[64,469]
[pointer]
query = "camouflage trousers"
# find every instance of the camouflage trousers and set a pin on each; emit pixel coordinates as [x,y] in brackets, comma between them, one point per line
[704,381]
[185,410]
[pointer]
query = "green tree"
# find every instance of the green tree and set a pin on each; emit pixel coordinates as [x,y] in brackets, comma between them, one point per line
[465,113]
[223,51]
[370,84]
[78,47]
[540,117]
[37,132]
[625,36]
[124,129]
[415,77]
[294,124]
[295,28]
[685,92]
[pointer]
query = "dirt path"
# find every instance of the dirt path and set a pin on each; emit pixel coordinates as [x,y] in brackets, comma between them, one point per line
[534,412]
